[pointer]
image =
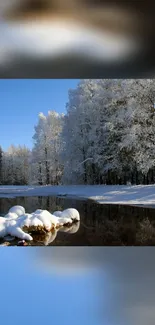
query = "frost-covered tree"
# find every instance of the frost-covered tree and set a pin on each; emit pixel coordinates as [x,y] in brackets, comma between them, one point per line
[22,163]
[77,124]
[107,136]
[15,166]
[139,133]
[1,157]
[88,130]
[47,148]
[109,132]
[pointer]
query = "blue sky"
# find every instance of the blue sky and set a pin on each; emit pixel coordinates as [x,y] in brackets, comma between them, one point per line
[30,296]
[21,102]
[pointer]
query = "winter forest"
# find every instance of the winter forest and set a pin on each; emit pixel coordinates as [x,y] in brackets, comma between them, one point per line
[106,136]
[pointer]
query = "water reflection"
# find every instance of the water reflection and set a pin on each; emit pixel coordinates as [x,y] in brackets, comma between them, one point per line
[109,225]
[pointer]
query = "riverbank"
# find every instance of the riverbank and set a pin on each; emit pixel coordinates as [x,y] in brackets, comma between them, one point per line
[103,194]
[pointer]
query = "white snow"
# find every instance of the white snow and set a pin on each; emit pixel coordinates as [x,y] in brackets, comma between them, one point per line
[103,194]
[13,224]
[46,218]
[67,215]
[57,213]
[65,220]
[11,215]
[71,213]
[51,39]
[3,231]
[19,210]
[10,227]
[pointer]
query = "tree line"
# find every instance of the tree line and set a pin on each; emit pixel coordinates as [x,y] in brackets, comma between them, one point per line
[106,136]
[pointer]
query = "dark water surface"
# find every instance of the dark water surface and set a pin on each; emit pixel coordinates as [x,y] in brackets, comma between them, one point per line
[107,225]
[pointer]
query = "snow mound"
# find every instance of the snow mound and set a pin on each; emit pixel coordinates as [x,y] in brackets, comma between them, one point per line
[11,215]
[71,213]
[19,210]
[57,213]
[17,223]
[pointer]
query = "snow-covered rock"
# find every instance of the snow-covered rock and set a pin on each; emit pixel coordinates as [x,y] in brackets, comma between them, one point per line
[64,221]
[67,216]
[71,213]
[11,215]
[19,210]
[38,211]
[17,223]
[10,227]
[3,231]
[57,213]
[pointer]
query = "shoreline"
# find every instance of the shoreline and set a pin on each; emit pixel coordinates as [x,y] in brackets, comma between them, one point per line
[136,195]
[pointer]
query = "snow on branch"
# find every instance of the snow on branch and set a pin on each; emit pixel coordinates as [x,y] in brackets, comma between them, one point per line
[85,161]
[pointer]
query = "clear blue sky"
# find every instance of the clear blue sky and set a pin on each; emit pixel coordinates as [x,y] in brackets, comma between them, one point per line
[22,100]
[30,296]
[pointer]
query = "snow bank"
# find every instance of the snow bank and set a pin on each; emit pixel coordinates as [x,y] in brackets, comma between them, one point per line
[103,194]
[18,225]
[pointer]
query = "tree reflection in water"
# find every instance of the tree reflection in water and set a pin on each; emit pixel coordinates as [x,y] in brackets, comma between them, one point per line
[100,225]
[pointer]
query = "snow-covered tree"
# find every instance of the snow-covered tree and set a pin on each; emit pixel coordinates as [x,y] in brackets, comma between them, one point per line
[1,157]
[88,130]
[47,148]
[107,136]
[77,125]
[139,133]
[109,131]
[15,166]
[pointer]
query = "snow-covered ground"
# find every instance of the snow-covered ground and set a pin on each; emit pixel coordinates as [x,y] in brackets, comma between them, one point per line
[104,194]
